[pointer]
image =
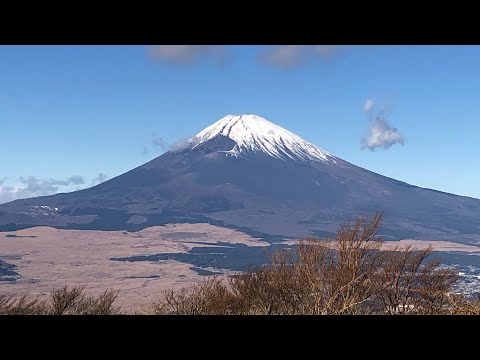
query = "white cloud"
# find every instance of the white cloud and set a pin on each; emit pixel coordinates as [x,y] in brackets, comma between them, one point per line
[382,135]
[100,178]
[189,54]
[8,193]
[292,56]
[31,186]
[280,56]
[284,56]
[183,144]
[76,180]
[368,107]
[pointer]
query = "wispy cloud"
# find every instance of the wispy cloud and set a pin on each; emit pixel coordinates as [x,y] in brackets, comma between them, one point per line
[8,193]
[156,143]
[368,107]
[76,180]
[190,54]
[183,144]
[160,143]
[380,133]
[35,185]
[100,178]
[293,56]
[279,56]
[31,186]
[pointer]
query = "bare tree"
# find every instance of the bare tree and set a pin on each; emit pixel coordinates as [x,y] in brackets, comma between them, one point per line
[407,282]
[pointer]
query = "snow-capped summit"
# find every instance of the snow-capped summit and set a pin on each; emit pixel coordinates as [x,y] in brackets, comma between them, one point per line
[253,133]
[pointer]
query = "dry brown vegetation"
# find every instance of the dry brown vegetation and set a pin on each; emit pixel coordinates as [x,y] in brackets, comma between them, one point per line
[64,301]
[344,275]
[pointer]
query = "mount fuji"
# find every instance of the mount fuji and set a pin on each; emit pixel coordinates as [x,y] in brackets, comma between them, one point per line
[247,173]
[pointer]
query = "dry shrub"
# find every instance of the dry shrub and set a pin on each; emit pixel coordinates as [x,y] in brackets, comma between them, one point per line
[207,298]
[460,305]
[64,301]
[22,305]
[267,290]
[74,301]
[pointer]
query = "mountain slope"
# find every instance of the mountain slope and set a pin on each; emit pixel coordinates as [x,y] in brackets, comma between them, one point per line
[246,172]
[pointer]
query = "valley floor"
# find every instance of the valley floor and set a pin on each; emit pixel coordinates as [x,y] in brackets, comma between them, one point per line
[139,264]
[40,259]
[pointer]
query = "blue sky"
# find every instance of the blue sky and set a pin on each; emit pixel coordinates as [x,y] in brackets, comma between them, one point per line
[88,110]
